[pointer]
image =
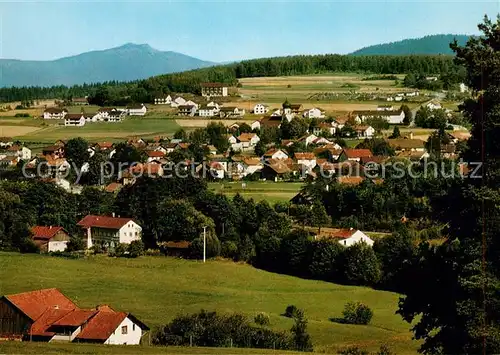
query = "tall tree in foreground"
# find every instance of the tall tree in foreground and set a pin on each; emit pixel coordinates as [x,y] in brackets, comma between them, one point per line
[455,288]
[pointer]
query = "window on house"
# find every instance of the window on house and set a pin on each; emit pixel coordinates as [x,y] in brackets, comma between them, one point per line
[124,330]
[133,327]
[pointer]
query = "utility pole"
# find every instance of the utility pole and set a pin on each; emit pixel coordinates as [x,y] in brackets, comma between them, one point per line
[204,243]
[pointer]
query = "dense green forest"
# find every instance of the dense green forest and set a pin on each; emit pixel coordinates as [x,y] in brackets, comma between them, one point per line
[146,90]
[429,45]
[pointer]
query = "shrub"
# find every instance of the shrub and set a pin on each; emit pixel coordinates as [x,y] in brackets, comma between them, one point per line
[152,252]
[291,311]
[27,245]
[22,115]
[135,249]
[262,319]
[357,313]
[75,244]
[229,249]
[120,250]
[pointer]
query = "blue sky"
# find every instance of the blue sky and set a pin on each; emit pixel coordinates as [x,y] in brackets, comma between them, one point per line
[227,30]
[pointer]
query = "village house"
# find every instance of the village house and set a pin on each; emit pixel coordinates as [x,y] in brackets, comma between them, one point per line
[207,111]
[345,237]
[53,151]
[433,105]
[178,101]
[252,165]
[24,153]
[6,142]
[187,110]
[213,89]
[109,231]
[91,117]
[306,159]
[260,109]
[393,117]
[48,315]
[79,101]
[363,131]
[163,100]
[137,110]
[276,154]
[308,139]
[270,121]
[246,141]
[407,144]
[74,119]
[313,113]
[51,238]
[385,108]
[228,112]
[255,125]
[276,171]
[54,113]
[154,155]
[354,154]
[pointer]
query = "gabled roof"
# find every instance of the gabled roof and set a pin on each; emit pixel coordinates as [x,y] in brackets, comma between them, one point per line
[357,153]
[113,187]
[186,107]
[155,153]
[42,324]
[35,303]
[252,161]
[212,85]
[272,151]
[55,110]
[342,233]
[102,325]
[406,143]
[304,156]
[246,137]
[75,318]
[135,107]
[73,116]
[103,222]
[104,145]
[350,180]
[45,233]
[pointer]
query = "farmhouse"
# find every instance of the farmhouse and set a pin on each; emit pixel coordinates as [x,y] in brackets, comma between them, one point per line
[255,125]
[163,100]
[54,113]
[109,231]
[74,119]
[48,315]
[178,102]
[275,171]
[270,121]
[345,237]
[433,105]
[393,117]
[306,159]
[213,89]
[50,238]
[244,141]
[187,110]
[91,117]
[136,110]
[364,131]
[260,109]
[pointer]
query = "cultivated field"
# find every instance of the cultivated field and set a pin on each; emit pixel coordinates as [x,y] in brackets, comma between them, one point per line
[98,131]
[270,191]
[156,289]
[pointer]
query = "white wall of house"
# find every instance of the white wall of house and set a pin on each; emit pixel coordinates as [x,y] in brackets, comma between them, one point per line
[310,163]
[49,115]
[255,125]
[76,123]
[260,109]
[137,111]
[57,245]
[396,119]
[131,335]
[207,112]
[357,237]
[279,155]
[313,113]
[130,232]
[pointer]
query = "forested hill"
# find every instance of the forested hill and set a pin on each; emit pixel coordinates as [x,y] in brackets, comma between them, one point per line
[125,63]
[435,44]
[189,81]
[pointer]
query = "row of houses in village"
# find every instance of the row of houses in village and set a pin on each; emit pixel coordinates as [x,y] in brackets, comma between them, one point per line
[103,114]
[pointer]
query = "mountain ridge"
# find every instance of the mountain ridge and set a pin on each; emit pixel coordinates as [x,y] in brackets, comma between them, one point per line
[429,45]
[127,62]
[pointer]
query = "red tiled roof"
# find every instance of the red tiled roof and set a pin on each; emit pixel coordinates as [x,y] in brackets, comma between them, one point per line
[246,137]
[105,145]
[44,232]
[339,233]
[155,154]
[357,153]
[35,303]
[305,156]
[103,222]
[75,318]
[113,187]
[350,180]
[102,325]
[43,323]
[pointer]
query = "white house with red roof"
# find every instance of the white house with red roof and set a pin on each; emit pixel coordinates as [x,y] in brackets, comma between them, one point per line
[50,238]
[109,231]
[345,237]
[48,315]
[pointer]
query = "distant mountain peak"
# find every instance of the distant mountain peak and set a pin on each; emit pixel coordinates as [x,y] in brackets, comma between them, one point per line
[127,62]
[430,44]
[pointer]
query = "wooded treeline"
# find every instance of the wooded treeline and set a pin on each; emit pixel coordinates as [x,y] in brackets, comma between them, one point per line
[189,81]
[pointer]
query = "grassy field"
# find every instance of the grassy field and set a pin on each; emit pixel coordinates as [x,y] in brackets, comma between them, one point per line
[144,127]
[270,191]
[156,289]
